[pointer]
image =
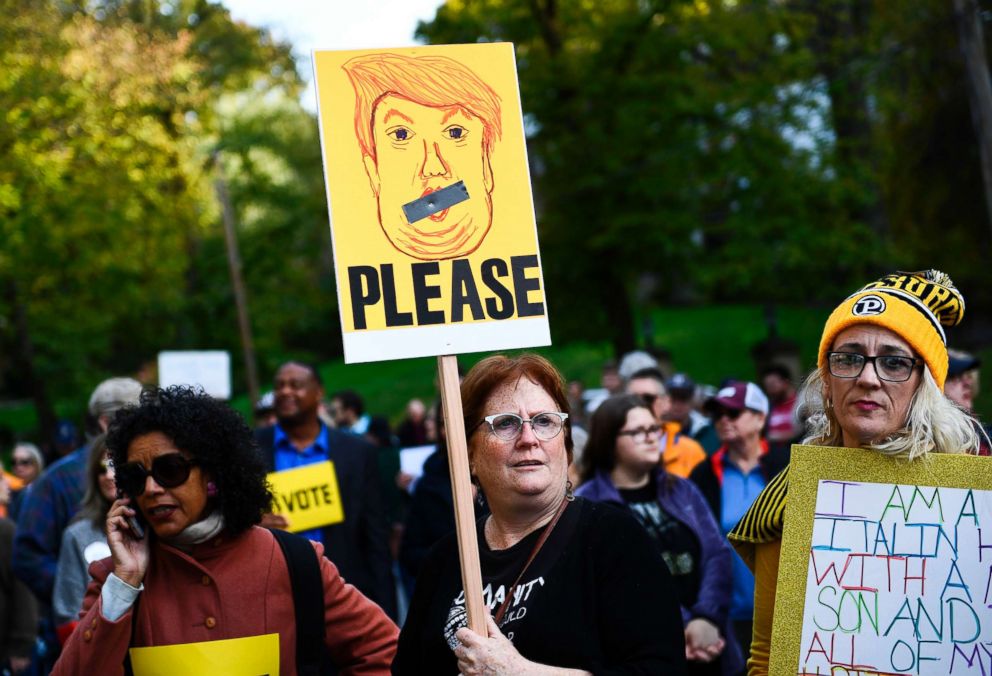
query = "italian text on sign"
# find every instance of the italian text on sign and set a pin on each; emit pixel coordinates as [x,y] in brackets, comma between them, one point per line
[432,218]
[307,496]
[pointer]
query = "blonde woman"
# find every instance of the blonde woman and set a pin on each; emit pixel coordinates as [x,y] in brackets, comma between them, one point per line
[878,385]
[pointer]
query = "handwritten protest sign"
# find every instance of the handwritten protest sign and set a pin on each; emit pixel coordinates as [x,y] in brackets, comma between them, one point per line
[428,185]
[307,496]
[249,655]
[886,566]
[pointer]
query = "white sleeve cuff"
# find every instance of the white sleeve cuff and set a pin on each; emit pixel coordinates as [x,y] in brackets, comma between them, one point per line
[118,597]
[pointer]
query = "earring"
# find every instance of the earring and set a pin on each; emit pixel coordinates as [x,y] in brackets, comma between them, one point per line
[211,489]
[568,490]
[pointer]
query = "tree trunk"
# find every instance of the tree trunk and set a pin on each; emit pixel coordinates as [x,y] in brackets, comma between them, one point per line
[238,286]
[619,313]
[25,364]
[972,44]
[839,46]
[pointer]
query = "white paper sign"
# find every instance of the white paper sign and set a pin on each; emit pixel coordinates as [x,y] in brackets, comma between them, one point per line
[412,459]
[209,369]
[898,581]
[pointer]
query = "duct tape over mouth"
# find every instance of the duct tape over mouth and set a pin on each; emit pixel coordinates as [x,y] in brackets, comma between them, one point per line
[435,202]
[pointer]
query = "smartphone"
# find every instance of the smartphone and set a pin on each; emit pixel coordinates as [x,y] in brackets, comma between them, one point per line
[133,522]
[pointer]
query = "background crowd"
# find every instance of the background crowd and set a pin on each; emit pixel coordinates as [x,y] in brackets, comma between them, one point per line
[644,426]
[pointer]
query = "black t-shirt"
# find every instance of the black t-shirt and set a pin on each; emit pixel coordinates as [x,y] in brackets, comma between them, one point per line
[676,542]
[592,599]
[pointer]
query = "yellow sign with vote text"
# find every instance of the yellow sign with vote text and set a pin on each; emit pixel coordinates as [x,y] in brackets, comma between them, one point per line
[254,655]
[307,496]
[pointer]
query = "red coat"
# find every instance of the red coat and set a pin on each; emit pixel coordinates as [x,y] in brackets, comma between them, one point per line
[224,589]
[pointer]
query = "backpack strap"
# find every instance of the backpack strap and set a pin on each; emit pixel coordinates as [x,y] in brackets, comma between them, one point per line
[308,601]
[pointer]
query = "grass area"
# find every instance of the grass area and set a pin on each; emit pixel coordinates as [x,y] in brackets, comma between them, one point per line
[714,342]
[710,343]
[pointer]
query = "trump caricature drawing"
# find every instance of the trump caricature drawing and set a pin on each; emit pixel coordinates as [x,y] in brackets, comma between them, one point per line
[424,124]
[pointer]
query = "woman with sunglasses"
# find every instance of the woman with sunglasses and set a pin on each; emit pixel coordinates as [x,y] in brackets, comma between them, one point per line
[622,466]
[84,541]
[200,570]
[573,587]
[878,385]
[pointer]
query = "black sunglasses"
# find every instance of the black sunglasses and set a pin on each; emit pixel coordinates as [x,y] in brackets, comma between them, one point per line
[168,471]
[732,413]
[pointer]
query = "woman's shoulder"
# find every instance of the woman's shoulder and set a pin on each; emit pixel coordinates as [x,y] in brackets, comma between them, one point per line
[598,520]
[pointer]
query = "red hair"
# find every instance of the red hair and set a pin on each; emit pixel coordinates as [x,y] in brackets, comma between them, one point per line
[492,372]
[435,81]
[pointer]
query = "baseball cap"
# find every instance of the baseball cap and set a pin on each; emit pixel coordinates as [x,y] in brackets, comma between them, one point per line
[635,361]
[113,394]
[960,362]
[681,386]
[738,396]
[65,432]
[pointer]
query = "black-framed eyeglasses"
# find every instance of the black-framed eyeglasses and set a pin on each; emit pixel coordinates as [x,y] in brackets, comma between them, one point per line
[509,426]
[642,432]
[894,368]
[168,470]
[21,461]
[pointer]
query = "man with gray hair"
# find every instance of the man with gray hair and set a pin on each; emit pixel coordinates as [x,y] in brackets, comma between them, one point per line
[53,499]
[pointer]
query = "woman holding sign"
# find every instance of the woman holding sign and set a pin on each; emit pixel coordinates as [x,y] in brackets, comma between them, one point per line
[878,385]
[573,586]
[193,585]
[622,467]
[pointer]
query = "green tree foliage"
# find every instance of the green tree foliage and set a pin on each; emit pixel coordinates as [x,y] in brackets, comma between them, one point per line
[97,193]
[117,118]
[686,150]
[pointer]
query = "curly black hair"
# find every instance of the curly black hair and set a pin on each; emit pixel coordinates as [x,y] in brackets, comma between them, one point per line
[213,434]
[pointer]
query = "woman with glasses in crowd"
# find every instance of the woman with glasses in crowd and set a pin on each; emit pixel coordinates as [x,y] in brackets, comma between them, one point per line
[878,385]
[573,586]
[84,541]
[199,569]
[622,466]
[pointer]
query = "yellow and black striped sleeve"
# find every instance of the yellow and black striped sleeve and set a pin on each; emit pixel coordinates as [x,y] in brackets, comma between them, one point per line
[763,520]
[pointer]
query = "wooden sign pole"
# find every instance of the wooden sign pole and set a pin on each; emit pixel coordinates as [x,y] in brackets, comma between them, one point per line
[461,486]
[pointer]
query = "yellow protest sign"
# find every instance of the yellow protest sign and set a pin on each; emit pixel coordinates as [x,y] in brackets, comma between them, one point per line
[307,496]
[885,567]
[432,216]
[255,655]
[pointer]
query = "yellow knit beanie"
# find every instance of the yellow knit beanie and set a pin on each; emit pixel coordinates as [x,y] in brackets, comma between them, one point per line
[916,306]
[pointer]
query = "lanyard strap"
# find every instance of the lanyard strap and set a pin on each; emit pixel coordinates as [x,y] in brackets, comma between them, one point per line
[501,611]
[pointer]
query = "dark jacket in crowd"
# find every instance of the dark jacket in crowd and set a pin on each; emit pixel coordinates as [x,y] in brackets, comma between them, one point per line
[708,475]
[358,546]
[18,610]
[431,515]
[682,501]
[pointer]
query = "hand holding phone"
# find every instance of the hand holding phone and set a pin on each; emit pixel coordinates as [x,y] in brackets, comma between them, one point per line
[133,522]
[127,542]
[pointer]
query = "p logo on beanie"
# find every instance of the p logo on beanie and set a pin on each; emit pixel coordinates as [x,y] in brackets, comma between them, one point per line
[916,306]
[868,306]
